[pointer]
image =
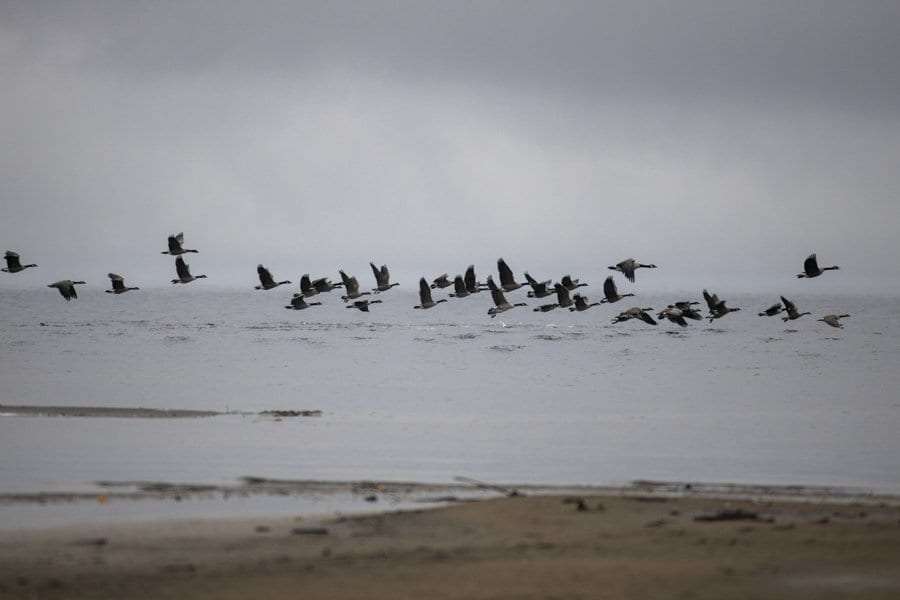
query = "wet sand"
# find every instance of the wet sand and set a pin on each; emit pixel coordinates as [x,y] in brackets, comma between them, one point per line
[632,545]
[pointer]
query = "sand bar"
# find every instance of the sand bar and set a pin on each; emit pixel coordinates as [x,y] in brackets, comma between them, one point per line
[104,411]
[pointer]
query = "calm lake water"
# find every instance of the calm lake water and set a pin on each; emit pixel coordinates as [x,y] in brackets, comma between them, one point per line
[407,394]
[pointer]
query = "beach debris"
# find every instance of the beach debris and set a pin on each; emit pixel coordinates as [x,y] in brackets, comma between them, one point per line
[430,499]
[371,498]
[580,504]
[508,492]
[291,413]
[174,488]
[309,531]
[262,529]
[98,542]
[656,523]
[728,514]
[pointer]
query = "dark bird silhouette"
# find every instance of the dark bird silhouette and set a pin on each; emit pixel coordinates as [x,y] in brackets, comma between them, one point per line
[563,299]
[13,265]
[687,310]
[791,309]
[570,283]
[184,272]
[546,307]
[425,300]
[351,287]
[175,242]
[323,285]
[673,314]
[459,288]
[298,302]
[628,266]
[811,267]
[473,286]
[717,308]
[500,303]
[581,303]
[441,281]
[507,281]
[538,288]
[611,292]
[834,320]
[66,287]
[382,278]
[307,289]
[635,312]
[363,305]
[118,285]
[267,282]
[772,310]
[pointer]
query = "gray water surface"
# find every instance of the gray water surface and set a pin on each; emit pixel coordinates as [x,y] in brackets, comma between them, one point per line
[551,398]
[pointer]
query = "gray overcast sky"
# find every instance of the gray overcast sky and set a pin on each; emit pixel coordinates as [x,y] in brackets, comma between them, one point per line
[723,141]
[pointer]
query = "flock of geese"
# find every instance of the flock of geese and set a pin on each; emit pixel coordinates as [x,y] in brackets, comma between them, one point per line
[467,285]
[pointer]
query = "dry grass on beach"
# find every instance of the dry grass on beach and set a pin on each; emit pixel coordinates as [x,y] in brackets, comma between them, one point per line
[530,547]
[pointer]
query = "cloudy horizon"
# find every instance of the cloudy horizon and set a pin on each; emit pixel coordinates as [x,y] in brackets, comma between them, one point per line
[721,141]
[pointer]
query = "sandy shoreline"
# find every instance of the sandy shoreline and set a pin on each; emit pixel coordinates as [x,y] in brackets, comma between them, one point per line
[635,545]
[261,486]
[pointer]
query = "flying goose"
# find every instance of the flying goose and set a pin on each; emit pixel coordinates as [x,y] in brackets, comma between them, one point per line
[473,286]
[298,302]
[441,281]
[635,312]
[581,303]
[351,285]
[425,300]
[507,280]
[323,284]
[500,303]
[12,263]
[184,272]
[791,310]
[546,307]
[562,299]
[834,320]
[363,305]
[382,278]
[175,242]
[570,283]
[538,288]
[267,282]
[772,310]
[674,314]
[66,287]
[811,267]
[628,266]
[459,288]
[686,310]
[562,296]
[717,308]
[307,289]
[118,285]
[611,292]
